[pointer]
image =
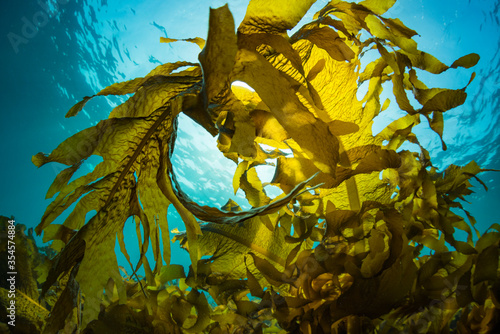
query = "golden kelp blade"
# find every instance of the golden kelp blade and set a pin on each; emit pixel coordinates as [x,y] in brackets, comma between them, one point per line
[273,17]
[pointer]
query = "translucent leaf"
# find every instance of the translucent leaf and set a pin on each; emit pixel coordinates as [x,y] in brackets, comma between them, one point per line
[378,6]
[273,17]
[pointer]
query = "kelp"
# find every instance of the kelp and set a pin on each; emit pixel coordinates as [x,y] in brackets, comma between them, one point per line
[30,265]
[341,250]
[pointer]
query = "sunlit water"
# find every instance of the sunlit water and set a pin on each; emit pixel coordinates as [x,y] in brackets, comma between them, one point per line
[79,47]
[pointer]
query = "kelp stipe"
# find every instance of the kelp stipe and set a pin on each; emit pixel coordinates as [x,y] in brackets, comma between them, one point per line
[366,274]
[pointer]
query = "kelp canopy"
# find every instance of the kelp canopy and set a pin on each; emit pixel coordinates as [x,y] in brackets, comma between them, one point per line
[368,206]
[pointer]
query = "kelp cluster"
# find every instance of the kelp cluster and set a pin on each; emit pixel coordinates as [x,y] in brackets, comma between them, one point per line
[362,238]
[31,265]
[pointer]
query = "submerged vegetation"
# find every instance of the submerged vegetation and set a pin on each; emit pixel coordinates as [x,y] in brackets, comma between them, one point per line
[361,240]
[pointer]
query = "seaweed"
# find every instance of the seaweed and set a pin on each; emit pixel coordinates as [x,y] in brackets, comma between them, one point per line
[342,250]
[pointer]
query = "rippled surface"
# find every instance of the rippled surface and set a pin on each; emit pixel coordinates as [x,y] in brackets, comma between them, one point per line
[83,46]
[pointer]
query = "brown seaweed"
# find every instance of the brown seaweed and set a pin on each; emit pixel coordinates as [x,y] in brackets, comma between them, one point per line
[370,206]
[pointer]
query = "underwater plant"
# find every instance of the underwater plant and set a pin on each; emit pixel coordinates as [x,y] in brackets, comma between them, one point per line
[341,250]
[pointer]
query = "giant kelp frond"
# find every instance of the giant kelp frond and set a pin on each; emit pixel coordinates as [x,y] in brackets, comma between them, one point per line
[370,205]
[134,148]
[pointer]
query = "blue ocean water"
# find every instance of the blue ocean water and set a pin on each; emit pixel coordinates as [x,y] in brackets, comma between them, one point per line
[56,52]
